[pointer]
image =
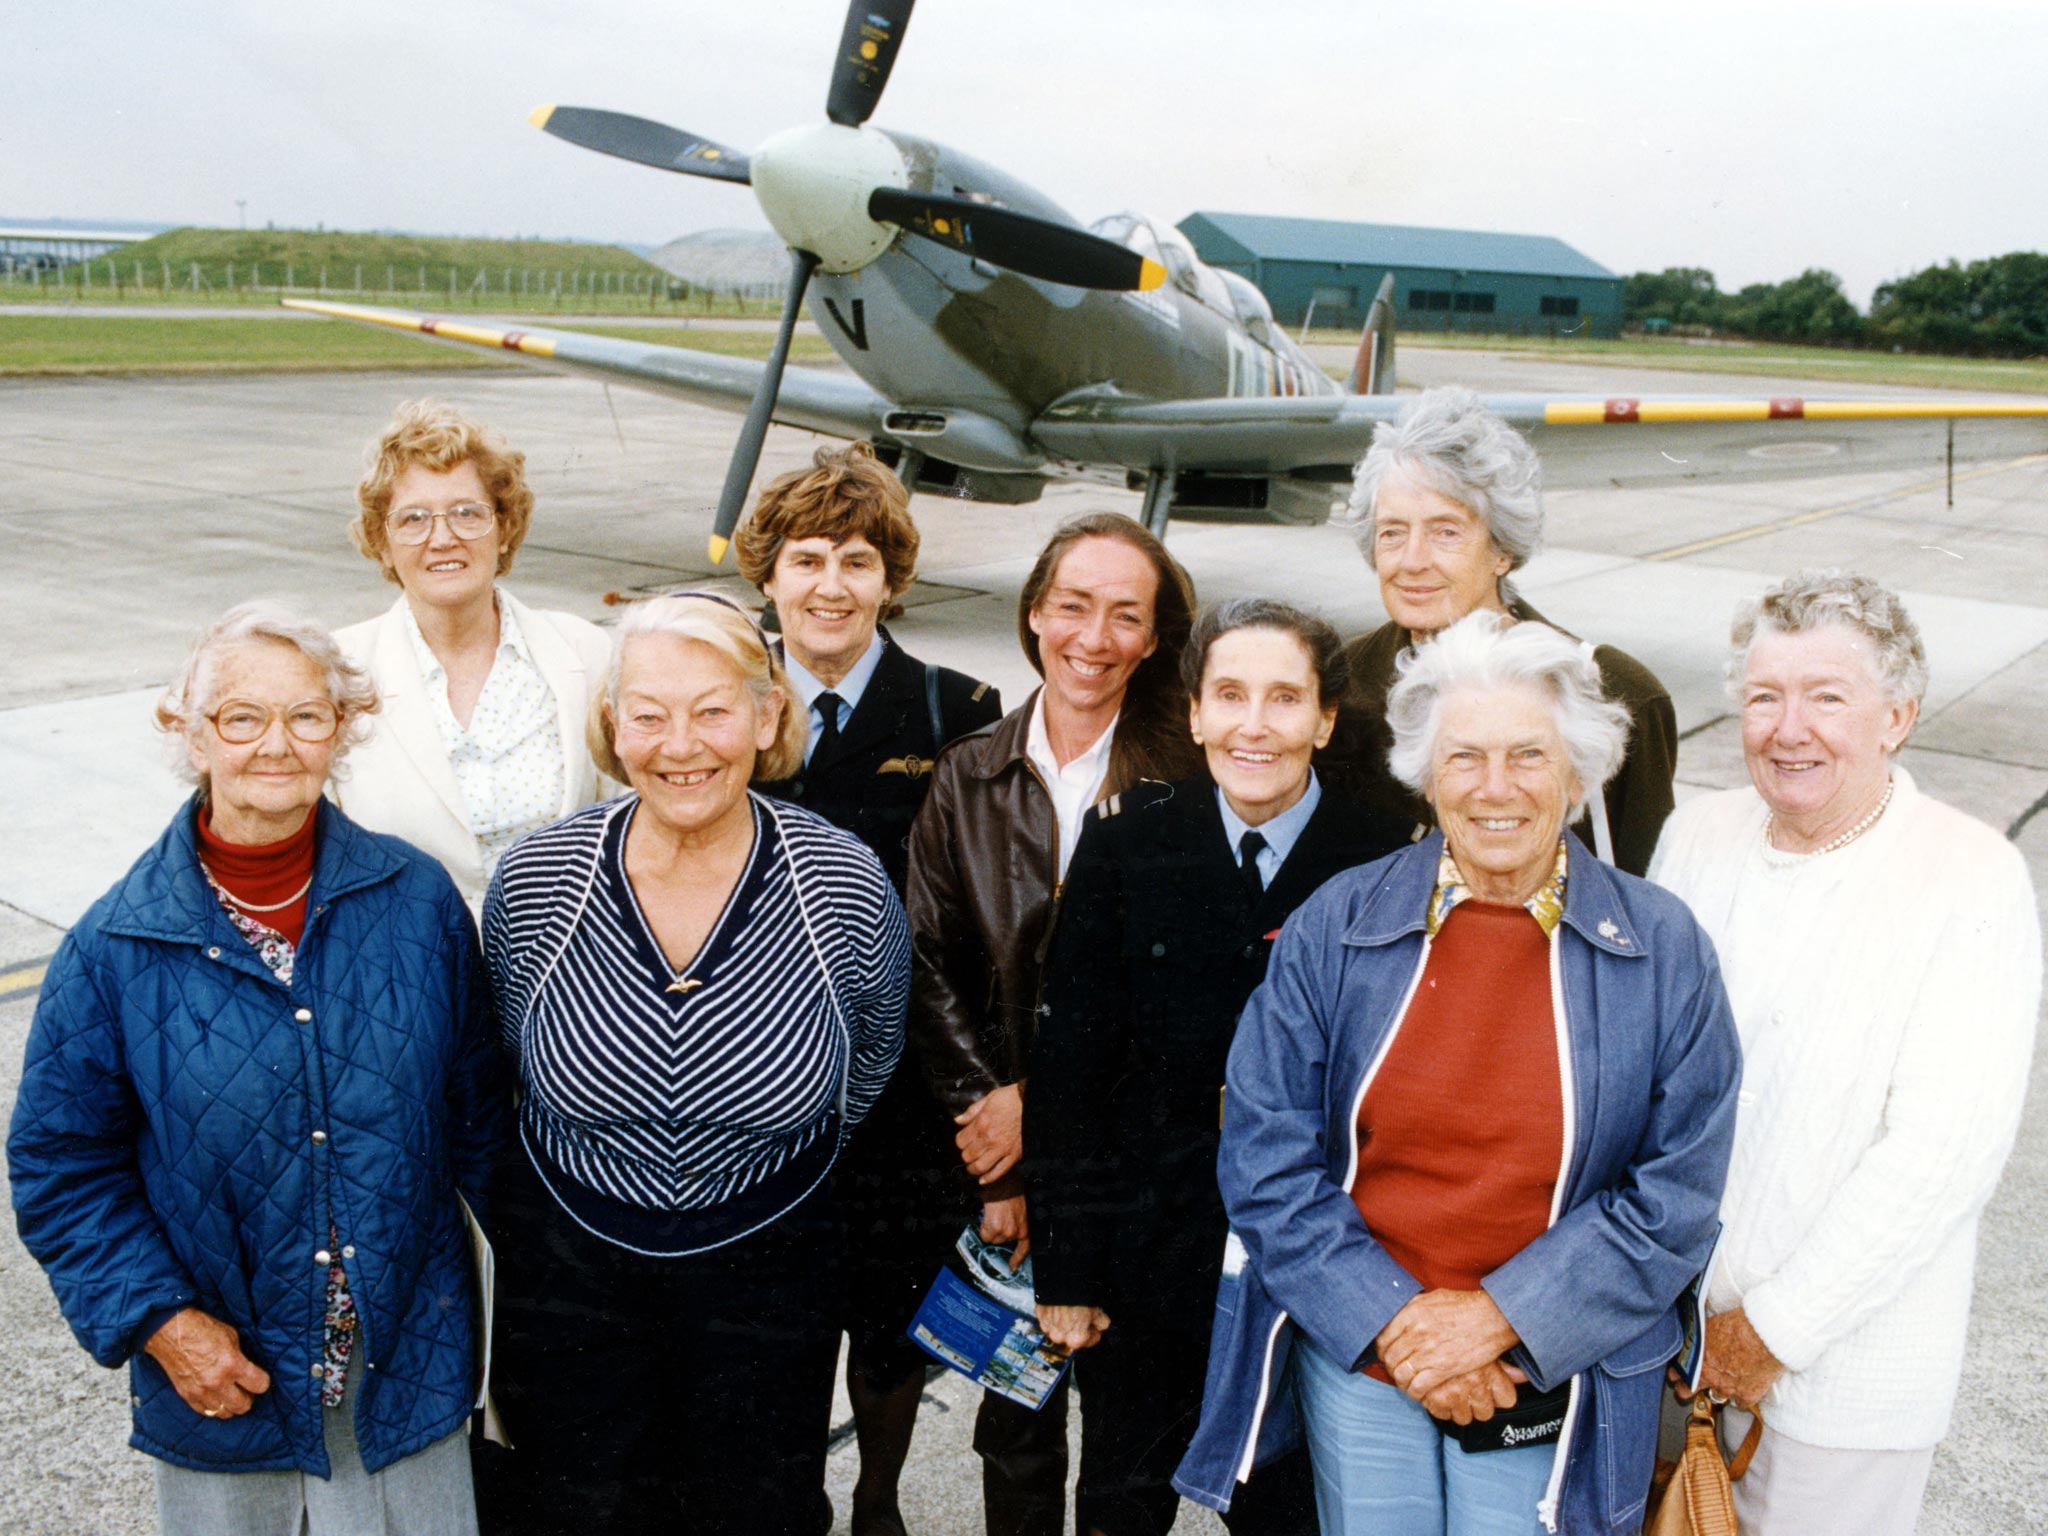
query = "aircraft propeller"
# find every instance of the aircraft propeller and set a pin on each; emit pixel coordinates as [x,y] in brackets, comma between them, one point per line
[835,192]
[642,141]
[867,52]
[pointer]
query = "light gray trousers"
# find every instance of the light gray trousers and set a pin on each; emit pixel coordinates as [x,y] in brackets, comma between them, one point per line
[426,1494]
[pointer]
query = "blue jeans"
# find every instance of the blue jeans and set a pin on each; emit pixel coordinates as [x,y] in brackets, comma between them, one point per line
[1384,1469]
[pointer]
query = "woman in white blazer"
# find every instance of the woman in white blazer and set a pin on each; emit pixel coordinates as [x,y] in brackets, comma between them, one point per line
[481,736]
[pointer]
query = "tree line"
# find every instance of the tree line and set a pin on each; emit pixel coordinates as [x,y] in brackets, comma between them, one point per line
[1997,307]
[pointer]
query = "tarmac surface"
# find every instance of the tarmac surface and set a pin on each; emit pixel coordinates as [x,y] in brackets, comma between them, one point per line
[132,510]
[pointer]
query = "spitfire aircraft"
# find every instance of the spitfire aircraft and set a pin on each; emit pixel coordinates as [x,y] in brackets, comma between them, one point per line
[994,344]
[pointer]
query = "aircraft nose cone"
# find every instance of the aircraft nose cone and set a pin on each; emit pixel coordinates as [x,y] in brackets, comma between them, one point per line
[813,183]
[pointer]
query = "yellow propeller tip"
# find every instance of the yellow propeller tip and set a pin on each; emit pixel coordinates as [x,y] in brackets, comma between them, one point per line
[539,115]
[1151,275]
[718,546]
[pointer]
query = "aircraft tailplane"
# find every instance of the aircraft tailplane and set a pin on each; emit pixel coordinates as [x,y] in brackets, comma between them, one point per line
[1373,372]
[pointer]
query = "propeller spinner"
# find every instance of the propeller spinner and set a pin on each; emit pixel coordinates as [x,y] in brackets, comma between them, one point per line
[838,193]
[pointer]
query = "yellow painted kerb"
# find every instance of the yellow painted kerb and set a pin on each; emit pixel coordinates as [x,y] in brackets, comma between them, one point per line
[26,979]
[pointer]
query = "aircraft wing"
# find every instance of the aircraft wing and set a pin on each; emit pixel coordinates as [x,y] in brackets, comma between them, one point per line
[830,402]
[1583,440]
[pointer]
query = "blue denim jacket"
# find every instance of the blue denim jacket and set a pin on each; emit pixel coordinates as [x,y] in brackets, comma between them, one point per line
[1651,1081]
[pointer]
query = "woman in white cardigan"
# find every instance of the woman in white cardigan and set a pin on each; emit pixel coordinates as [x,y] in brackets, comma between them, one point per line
[481,736]
[1883,955]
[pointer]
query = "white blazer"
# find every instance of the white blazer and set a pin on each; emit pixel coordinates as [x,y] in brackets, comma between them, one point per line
[400,780]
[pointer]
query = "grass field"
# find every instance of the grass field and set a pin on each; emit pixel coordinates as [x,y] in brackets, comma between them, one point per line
[253,266]
[160,344]
[1999,375]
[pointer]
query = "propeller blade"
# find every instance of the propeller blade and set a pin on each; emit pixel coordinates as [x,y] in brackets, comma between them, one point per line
[746,453]
[641,141]
[1022,242]
[867,52]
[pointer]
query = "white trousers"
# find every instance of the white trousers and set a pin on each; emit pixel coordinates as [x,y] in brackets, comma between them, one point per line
[1796,1489]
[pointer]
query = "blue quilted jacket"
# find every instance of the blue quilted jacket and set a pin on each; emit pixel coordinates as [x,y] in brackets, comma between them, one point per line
[164,1150]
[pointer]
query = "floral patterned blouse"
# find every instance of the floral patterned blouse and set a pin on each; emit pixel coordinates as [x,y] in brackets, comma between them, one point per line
[276,952]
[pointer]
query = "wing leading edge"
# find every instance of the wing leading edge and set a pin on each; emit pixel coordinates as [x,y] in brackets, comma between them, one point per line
[819,401]
[1622,440]
[1619,441]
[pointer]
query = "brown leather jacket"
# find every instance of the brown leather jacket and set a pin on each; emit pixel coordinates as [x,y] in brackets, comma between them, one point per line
[983,888]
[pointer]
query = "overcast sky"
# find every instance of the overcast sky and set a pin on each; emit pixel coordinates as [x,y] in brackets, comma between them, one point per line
[1754,139]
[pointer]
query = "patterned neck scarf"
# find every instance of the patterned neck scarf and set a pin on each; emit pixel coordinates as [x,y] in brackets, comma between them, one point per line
[1546,906]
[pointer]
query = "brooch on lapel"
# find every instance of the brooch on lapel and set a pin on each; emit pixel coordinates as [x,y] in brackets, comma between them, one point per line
[683,986]
[911,767]
[1607,930]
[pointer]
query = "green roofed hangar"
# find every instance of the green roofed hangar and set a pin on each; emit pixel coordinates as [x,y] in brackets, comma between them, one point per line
[1326,272]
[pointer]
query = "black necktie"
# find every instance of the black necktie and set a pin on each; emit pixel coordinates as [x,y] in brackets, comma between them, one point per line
[1249,847]
[827,705]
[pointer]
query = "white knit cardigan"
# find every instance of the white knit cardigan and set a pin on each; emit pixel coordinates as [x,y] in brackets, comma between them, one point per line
[1881,1091]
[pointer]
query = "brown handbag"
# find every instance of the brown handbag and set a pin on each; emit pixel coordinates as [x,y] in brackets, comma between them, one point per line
[1695,1495]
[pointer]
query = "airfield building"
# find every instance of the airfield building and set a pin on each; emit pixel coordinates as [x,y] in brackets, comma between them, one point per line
[1327,272]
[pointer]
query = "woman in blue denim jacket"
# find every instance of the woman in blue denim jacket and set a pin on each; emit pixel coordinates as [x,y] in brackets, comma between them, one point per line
[1466,1285]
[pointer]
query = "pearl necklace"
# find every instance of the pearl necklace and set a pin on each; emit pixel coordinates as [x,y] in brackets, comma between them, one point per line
[250,906]
[1843,841]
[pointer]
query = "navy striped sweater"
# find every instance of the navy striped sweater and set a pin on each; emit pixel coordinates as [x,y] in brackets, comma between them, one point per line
[672,1100]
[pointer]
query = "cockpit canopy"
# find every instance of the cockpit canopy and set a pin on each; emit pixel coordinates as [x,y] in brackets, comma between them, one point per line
[1170,248]
[1229,294]
[1251,305]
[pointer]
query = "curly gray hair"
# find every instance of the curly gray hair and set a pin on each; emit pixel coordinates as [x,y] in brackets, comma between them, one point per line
[183,708]
[1484,650]
[1810,599]
[1446,440]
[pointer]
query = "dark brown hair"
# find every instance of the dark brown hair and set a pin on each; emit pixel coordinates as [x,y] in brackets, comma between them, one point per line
[1152,740]
[846,492]
[1317,638]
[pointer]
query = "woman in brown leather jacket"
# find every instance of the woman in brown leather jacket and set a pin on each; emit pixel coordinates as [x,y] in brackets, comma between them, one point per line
[1102,617]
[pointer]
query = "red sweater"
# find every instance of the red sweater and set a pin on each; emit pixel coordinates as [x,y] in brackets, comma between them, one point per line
[1462,1130]
[263,873]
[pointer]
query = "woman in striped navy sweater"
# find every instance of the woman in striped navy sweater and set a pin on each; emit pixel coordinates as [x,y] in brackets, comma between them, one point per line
[704,991]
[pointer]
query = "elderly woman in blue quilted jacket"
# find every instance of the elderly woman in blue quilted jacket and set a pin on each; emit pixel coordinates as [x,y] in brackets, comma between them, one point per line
[259,1075]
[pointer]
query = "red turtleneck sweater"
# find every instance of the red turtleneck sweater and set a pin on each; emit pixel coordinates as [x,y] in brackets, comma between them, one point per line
[263,874]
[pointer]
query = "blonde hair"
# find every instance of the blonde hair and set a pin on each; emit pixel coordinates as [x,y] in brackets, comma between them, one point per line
[426,434]
[184,705]
[711,620]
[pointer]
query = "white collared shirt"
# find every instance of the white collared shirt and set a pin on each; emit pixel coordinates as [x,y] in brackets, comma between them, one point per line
[1281,833]
[848,689]
[508,760]
[1075,787]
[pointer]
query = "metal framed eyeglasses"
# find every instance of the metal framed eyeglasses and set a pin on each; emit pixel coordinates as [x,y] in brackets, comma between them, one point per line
[415,525]
[239,722]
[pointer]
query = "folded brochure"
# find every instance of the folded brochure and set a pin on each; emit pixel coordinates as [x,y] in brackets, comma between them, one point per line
[979,1318]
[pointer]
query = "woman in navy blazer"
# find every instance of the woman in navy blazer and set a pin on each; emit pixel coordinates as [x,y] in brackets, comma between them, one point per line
[1162,935]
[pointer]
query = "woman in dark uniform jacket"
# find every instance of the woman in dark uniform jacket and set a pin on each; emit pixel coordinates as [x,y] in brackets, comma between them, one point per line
[1163,932]
[832,546]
